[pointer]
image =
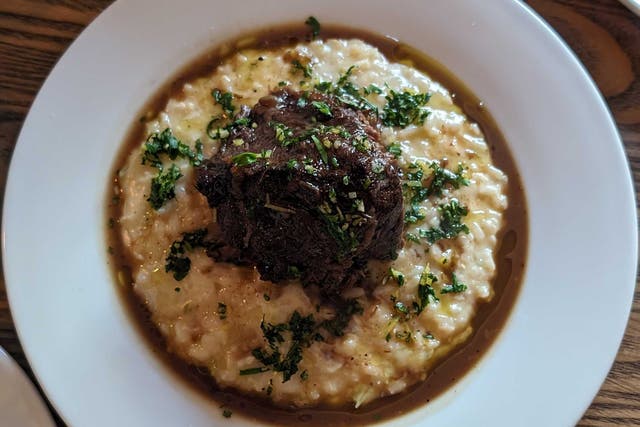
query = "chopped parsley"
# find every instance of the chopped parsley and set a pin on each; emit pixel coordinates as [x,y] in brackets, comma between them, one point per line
[454,287]
[320,148]
[377,166]
[177,261]
[441,177]
[323,87]
[395,149]
[166,143]
[405,108]
[372,89]
[412,237]
[316,135]
[450,222]
[214,131]
[222,311]
[315,26]
[225,100]
[347,92]
[303,100]
[413,214]
[416,191]
[397,276]
[293,271]
[286,341]
[401,307]
[337,227]
[248,158]
[277,357]
[292,164]
[163,187]
[253,371]
[345,77]
[426,293]
[405,336]
[306,70]
[284,134]
[322,107]
[345,311]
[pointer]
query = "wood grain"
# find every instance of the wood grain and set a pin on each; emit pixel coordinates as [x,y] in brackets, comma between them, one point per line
[604,35]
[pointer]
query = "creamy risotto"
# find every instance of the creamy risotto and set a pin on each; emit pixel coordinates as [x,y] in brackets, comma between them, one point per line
[391,327]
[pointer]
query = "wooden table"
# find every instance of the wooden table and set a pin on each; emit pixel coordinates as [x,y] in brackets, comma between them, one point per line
[605,35]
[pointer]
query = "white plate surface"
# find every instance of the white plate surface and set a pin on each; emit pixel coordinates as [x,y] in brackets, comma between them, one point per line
[20,403]
[633,5]
[566,327]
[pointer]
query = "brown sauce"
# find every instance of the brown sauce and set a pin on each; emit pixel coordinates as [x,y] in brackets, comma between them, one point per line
[489,320]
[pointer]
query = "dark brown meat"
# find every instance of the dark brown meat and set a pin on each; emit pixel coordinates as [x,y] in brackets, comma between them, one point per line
[306,190]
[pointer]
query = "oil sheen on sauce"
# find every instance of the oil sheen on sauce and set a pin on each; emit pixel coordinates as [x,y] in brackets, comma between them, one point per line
[488,321]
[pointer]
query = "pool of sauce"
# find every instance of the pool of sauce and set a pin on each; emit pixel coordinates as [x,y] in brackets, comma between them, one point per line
[488,321]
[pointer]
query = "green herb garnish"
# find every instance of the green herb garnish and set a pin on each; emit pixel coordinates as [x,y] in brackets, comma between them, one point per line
[426,293]
[248,158]
[322,107]
[405,336]
[224,99]
[454,287]
[401,308]
[397,276]
[320,148]
[222,311]
[405,108]
[253,371]
[450,222]
[347,92]
[372,89]
[441,177]
[305,69]
[346,309]
[413,214]
[177,261]
[377,166]
[412,237]
[315,26]
[395,149]
[166,143]
[163,187]
[302,333]
[221,132]
[284,134]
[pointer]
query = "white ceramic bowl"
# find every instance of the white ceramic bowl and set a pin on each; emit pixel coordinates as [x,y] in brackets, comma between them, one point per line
[567,324]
